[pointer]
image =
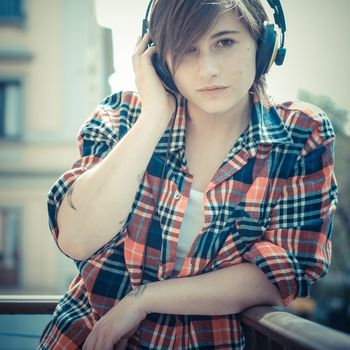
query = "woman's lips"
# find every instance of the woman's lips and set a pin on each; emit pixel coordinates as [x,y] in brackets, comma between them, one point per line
[212,90]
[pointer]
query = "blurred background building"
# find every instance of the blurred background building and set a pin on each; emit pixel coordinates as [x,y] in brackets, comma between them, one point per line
[59,58]
[54,64]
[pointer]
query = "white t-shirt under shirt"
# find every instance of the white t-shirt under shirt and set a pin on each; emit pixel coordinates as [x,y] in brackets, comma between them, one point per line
[191,226]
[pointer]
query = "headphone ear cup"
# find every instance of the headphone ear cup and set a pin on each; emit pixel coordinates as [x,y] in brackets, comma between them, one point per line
[281,54]
[164,73]
[267,46]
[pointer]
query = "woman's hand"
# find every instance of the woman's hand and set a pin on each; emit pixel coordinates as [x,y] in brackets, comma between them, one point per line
[113,330]
[156,101]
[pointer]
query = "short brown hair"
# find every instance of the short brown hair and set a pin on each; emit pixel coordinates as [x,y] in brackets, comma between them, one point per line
[175,25]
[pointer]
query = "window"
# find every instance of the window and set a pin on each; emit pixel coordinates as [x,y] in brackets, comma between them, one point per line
[11,12]
[9,232]
[10,104]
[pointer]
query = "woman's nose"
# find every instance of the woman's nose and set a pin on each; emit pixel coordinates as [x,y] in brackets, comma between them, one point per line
[207,66]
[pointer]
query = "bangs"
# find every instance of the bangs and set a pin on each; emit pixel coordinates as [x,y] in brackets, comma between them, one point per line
[181,24]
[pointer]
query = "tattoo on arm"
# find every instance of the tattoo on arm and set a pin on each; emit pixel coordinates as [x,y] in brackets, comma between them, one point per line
[139,177]
[138,291]
[69,197]
[122,222]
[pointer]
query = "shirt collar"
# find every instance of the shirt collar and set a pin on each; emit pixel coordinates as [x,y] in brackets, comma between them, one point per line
[265,126]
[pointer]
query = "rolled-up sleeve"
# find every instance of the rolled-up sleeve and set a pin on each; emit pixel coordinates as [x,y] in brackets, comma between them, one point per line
[296,248]
[96,137]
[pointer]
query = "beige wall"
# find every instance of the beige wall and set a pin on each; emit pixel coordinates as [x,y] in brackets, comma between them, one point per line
[42,38]
[62,82]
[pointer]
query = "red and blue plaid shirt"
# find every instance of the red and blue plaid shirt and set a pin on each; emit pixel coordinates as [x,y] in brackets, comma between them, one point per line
[271,203]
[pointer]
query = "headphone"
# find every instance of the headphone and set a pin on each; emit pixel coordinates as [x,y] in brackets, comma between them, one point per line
[270,48]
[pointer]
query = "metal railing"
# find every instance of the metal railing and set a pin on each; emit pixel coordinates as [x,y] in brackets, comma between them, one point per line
[272,328]
[265,328]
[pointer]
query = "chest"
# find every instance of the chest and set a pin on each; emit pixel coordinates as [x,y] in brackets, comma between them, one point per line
[204,160]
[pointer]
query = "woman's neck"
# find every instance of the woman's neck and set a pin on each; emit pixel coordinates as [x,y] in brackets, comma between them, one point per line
[222,126]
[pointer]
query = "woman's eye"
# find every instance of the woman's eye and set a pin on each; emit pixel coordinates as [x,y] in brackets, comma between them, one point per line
[190,50]
[225,43]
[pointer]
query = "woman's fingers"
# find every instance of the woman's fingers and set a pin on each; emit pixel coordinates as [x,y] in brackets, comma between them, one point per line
[122,344]
[141,44]
[149,85]
[142,64]
[90,343]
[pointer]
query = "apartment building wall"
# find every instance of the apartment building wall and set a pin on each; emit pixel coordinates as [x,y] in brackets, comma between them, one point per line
[58,59]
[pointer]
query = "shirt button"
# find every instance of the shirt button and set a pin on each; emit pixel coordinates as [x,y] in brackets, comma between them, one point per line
[177,195]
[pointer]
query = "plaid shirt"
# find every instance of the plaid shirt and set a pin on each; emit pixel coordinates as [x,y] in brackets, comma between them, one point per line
[271,203]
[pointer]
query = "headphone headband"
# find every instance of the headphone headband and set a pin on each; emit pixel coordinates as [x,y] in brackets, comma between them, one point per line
[278,16]
[145,20]
[270,50]
[276,6]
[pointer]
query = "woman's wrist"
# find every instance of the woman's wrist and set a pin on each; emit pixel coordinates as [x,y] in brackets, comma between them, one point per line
[138,294]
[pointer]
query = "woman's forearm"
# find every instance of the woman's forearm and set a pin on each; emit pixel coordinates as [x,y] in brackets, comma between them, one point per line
[226,291]
[104,194]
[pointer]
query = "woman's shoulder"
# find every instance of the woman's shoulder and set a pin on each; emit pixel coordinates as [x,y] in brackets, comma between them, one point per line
[302,112]
[122,104]
[127,99]
[116,113]
[303,118]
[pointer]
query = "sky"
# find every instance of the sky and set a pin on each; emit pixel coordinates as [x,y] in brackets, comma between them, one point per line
[317,42]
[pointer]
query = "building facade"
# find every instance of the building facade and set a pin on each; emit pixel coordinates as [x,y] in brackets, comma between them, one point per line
[54,66]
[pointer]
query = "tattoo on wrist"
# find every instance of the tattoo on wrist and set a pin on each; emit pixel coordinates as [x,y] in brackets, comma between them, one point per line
[138,291]
[122,222]
[69,197]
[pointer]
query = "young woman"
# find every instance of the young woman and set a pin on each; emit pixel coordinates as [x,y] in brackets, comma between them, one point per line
[189,206]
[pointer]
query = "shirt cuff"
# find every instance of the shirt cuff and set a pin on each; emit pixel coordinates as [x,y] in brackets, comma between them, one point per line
[281,268]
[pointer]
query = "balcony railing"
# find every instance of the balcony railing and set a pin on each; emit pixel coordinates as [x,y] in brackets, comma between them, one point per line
[265,328]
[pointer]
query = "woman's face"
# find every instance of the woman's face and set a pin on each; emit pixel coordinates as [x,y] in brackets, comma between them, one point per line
[217,72]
